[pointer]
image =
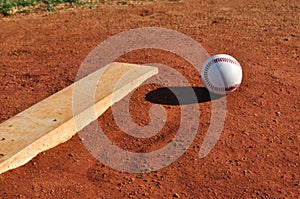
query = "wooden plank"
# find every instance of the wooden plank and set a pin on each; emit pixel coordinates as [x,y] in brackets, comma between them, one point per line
[52,121]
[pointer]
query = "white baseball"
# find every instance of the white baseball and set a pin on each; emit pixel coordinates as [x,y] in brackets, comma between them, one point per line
[221,74]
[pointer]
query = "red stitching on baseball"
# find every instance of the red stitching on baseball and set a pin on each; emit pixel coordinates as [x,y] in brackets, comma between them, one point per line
[230,88]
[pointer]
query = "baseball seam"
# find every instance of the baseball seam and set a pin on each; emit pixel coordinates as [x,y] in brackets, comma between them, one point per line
[206,69]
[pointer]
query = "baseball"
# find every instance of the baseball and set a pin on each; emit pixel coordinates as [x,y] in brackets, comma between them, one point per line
[221,74]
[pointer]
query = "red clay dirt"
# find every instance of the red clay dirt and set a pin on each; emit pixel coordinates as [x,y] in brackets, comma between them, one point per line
[257,155]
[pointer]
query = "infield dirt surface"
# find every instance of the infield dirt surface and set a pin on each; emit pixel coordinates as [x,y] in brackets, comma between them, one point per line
[257,154]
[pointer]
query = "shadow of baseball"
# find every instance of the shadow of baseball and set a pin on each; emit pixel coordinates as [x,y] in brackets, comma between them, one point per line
[181,95]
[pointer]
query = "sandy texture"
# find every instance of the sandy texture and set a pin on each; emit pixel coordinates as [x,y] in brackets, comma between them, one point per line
[257,155]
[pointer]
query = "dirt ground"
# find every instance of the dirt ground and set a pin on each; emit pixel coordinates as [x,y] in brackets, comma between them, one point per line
[257,155]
